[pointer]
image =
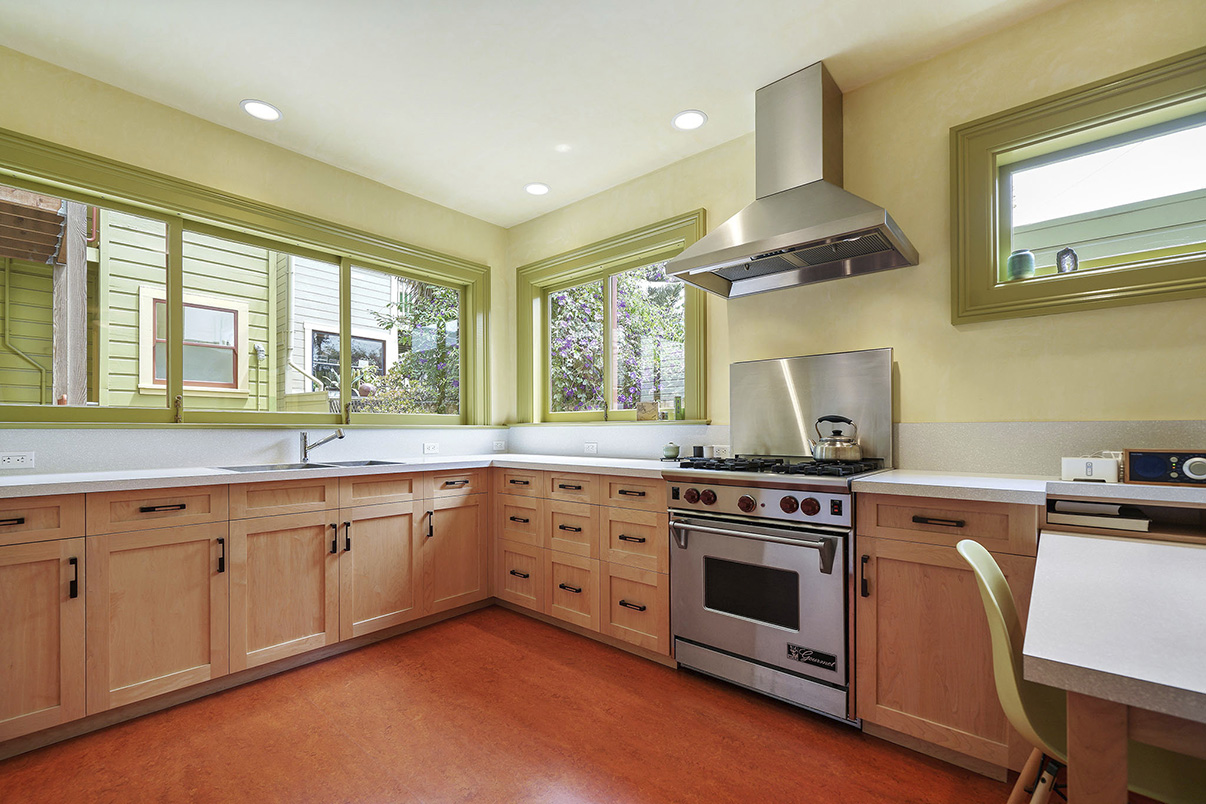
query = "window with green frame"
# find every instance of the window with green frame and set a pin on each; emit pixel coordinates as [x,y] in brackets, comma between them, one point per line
[131,297]
[1092,198]
[606,335]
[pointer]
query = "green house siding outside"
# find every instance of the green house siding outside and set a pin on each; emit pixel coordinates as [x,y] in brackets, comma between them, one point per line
[30,331]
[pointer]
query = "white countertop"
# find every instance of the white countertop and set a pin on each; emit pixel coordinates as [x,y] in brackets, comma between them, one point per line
[1120,619]
[1025,489]
[1138,492]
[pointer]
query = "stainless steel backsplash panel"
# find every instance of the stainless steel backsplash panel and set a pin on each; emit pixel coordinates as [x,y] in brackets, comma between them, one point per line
[774,404]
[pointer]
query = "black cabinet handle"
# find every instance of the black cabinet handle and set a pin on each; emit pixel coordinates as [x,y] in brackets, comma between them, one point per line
[334,538]
[624,537]
[570,528]
[430,524]
[630,493]
[946,523]
[347,535]
[569,487]
[519,574]
[155,509]
[222,555]
[73,586]
[17,521]
[520,520]
[633,606]
[577,590]
[514,482]
[456,482]
[862,575]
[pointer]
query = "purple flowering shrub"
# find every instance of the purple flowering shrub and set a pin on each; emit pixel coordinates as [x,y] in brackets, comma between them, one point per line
[576,348]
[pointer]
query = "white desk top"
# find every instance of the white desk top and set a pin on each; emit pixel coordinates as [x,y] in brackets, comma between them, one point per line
[1121,619]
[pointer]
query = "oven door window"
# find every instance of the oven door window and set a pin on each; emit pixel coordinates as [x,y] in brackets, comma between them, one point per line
[764,594]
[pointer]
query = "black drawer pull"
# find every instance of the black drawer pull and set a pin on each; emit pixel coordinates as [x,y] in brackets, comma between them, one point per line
[430,524]
[624,537]
[222,555]
[347,535]
[514,482]
[946,523]
[17,521]
[570,528]
[865,591]
[334,538]
[577,590]
[155,509]
[630,493]
[520,520]
[73,587]
[456,482]
[519,574]
[633,606]
[569,487]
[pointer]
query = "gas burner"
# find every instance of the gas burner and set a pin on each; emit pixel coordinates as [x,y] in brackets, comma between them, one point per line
[828,468]
[739,464]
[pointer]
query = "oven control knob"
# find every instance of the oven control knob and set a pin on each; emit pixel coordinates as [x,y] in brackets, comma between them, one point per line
[809,506]
[746,503]
[691,496]
[789,505]
[1195,468]
[707,497]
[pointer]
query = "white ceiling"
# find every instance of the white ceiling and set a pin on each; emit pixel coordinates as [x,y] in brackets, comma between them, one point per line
[463,102]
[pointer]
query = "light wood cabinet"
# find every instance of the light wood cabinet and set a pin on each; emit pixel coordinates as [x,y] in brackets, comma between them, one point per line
[924,656]
[573,589]
[284,586]
[525,482]
[999,527]
[379,489]
[573,528]
[378,568]
[120,511]
[458,482]
[452,552]
[635,606]
[573,487]
[42,588]
[157,612]
[520,519]
[637,539]
[644,493]
[284,497]
[39,519]
[520,570]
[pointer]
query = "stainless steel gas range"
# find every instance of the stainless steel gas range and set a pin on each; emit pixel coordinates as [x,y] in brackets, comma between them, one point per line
[762,545]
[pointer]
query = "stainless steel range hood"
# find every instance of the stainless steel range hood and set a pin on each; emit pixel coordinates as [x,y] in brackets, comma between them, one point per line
[803,227]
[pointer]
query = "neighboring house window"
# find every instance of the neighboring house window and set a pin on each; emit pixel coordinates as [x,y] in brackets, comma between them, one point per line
[324,355]
[215,342]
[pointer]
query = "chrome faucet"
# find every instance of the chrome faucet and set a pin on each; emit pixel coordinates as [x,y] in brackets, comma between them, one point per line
[307,446]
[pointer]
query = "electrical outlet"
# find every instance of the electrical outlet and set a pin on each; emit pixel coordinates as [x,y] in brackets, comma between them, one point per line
[500,446]
[431,448]
[16,460]
[722,451]
[591,447]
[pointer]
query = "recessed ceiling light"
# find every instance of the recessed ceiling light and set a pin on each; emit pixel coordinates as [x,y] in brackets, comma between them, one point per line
[563,148]
[689,120]
[536,188]
[260,110]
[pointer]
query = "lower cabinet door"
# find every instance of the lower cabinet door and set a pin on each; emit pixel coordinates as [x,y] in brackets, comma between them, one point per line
[520,574]
[41,635]
[573,589]
[157,612]
[452,552]
[284,586]
[378,568]
[636,607]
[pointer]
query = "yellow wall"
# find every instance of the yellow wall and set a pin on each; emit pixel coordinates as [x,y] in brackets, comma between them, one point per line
[1140,362]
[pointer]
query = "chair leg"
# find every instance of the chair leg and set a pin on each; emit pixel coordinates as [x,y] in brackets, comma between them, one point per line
[1028,774]
[1046,782]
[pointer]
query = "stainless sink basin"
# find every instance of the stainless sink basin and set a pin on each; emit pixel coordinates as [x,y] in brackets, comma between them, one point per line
[364,463]
[275,467]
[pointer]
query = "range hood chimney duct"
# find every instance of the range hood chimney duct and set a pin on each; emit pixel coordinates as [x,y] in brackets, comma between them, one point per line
[803,227]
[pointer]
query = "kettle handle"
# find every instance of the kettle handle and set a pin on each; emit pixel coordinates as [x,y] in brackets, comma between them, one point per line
[838,419]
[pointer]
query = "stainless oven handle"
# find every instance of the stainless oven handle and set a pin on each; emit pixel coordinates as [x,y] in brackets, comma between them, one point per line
[827,547]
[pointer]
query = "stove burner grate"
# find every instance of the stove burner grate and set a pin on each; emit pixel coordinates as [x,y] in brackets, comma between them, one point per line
[752,463]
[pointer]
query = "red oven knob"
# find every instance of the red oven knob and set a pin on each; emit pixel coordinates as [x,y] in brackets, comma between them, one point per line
[707,497]
[789,505]
[691,496]
[809,506]
[746,503]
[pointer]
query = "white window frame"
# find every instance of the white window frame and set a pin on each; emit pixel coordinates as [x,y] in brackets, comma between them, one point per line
[147,296]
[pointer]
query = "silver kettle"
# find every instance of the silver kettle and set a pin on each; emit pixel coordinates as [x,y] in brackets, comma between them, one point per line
[836,446]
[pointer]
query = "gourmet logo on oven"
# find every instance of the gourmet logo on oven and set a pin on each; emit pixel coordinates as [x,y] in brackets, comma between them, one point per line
[810,656]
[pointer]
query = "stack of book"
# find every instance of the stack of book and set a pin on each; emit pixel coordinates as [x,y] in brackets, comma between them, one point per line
[1097,515]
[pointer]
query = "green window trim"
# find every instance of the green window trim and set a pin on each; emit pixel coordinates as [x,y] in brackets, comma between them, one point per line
[639,247]
[40,166]
[984,151]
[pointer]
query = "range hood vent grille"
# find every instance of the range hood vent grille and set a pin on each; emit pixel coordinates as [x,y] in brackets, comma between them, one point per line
[808,256]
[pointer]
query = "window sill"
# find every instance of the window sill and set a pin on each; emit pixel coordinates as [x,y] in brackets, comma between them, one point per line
[613,422]
[191,390]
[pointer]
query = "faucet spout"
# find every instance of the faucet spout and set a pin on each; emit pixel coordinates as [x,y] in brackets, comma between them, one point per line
[307,447]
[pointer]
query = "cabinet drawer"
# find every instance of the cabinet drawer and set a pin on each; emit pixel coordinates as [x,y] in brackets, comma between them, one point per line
[635,607]
[637,539]
[573,594]
[40,519]
[573,528]
[457,483]
[520,574]
[119,511]
[519,481]
[646,493]
[283,497]
[374,489]
[572,488]
[1000,527]
[518,519]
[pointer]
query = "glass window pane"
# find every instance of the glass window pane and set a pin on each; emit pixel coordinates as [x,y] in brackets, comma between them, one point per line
[576,348]
[209,365]
[649,338]
[209,325]
[160,362]
[160,321]
[406,345]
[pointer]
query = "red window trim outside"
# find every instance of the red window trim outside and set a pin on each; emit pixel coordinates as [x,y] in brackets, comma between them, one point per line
[155,339]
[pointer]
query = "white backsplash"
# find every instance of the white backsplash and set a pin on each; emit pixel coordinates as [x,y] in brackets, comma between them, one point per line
[614,440]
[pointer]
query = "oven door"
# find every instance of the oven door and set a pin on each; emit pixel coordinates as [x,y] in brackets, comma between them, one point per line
[773,594]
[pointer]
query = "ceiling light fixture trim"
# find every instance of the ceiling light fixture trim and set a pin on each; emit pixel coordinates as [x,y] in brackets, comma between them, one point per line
[537,188]
[260,110]
[689,120]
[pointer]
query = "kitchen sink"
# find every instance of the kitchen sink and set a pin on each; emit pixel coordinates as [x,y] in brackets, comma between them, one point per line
[365,463]
[275,467]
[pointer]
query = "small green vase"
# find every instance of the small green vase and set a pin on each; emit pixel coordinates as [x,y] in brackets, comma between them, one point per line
[1020,265]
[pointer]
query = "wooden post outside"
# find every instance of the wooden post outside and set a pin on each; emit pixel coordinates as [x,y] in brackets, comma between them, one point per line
[70,340]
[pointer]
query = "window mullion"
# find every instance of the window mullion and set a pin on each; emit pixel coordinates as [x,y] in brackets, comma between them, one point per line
[345,338]
[175,310]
